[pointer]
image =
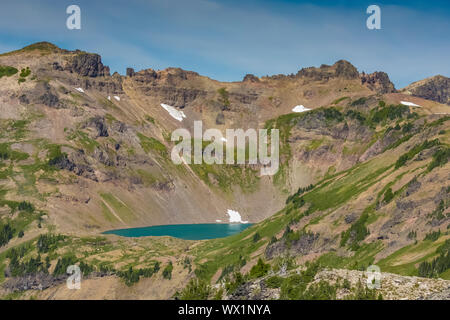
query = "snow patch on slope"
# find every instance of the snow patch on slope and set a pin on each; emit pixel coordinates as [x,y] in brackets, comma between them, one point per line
[300,108]
[174,113]
[117,98]
[235,216]
[409,104]
[80,89]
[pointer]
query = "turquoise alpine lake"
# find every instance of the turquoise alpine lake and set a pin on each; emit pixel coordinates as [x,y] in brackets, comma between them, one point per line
[184,231]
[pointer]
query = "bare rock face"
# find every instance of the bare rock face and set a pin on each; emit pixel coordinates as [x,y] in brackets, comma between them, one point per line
[341,69]
[38,281]
[130,72]
[220,119]
[75,163]
[435,88]
[87,65]
[378,81]
[42,93]
[346,70]
[99,124]
[303,245]
[250,78]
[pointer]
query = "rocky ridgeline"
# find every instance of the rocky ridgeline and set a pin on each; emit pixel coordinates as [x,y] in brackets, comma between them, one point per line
[342,69]
[393,287]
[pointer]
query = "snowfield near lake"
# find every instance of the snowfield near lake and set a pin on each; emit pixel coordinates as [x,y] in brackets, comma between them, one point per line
[235,216]
[409,104]
[300,108]
[174,113]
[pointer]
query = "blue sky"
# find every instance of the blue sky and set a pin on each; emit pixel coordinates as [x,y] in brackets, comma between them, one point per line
[227,39]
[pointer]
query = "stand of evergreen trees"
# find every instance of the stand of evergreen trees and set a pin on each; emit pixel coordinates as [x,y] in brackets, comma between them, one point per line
[132,276]
[6,233]
[439,265]
[299,192]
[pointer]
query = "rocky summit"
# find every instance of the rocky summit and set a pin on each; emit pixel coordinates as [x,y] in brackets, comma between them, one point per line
[363,181]
[435,88]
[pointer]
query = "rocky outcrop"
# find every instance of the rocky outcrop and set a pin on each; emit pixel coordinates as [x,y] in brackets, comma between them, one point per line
[38,281]
[378,81]
[341,69]
[435,88]
[42,93]
[74,163]
[99,124]
[303,246]
[87,65]
[220,119]
[250,78]
[130,72]
[346,70]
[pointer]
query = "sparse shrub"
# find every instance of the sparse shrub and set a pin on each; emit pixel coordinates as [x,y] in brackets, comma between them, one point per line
[232,284]
[407,127]
[256,237]
[388,195]
[333,114]
[224,97]
[274,282]
[359,101]
[412,235]
[260,269]
[438,213]
[356,233]
[273,240]
[362,292]
[440,158]
[433,235]
[25,206]
[415,150]
[167,272]
[7,71]
[196,289]
[25,72]
[352,114]
[346,284]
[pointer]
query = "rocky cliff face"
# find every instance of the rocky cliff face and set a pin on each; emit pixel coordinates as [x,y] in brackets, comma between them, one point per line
[378,81]
[435,88]
[87,65]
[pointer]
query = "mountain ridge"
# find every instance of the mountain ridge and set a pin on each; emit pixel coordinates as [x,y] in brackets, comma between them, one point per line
[363,178]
